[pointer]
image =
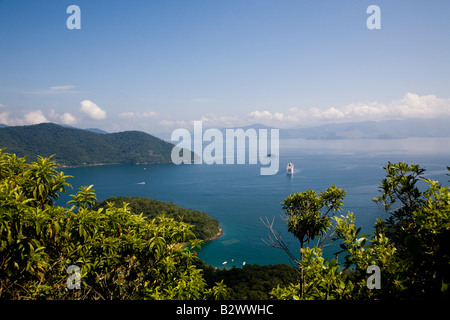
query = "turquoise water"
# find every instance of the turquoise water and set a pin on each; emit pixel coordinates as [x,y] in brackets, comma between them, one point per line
[237,195]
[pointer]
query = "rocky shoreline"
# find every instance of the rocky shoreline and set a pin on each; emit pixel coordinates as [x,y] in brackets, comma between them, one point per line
[182,244]
[217,235]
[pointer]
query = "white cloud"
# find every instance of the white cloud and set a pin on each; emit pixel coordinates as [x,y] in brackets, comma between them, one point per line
[4,118]
[34,117]
[92,110]
[167,123]
[149,114]
[409,106]
[128,114]
[173,123]
[30,117]
[54,90]
[222,121]
[62,88]
[131,114]
[277,118]
[261,115]
[66,118]
[429,106]
[266,115]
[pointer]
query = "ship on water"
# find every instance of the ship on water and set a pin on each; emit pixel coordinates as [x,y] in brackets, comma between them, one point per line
[290,168]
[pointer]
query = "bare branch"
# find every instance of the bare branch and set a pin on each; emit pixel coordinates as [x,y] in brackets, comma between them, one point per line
[275,240]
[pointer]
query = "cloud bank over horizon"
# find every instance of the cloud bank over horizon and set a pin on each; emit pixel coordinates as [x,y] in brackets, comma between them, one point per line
[13,116]
[411,105]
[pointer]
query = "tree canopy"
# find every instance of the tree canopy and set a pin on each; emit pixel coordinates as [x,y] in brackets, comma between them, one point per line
[410,250]
[204,226]
[119,254]
[84,251]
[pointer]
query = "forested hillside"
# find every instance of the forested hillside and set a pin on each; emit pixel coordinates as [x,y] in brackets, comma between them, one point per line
[204,226]
[74,147]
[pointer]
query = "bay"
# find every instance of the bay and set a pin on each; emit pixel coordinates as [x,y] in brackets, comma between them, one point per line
[237,195]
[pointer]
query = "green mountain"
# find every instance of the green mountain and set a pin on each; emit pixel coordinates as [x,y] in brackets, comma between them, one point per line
[205,227]
[73,147]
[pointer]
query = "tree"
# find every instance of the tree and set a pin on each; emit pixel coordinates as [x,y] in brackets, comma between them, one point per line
[411,248]
[400,197]
[419,226]
[119,254]
[307,216]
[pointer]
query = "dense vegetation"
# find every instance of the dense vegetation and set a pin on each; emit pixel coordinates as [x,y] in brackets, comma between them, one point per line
[408,257]
[74,147]
[118,254]
[251,282]
[204,226]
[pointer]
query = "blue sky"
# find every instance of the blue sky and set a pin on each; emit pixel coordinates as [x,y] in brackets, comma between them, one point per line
[159,65]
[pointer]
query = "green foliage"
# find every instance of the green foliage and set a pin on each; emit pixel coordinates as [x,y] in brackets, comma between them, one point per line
[251,282]
[204,226]
[400,196]
[322,280]
[74,147]
[307,218]
[411,248]
[121,255]
[308,214]
[84,199]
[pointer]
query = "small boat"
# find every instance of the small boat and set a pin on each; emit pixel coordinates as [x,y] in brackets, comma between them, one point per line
[243,263]
[290,168]
[143,182]
[225,262]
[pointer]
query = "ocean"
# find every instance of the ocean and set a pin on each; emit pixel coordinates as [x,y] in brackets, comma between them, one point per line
[238,196]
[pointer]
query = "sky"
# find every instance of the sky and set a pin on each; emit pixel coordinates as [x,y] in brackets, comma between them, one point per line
[158,65]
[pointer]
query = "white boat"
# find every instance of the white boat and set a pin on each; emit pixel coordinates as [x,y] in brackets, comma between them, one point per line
[225,262]
[290,168]
[243,263]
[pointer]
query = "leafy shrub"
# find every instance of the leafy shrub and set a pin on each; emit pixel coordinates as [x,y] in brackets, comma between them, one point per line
[120,255]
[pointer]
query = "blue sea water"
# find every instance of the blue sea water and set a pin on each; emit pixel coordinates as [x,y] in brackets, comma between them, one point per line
[238,196]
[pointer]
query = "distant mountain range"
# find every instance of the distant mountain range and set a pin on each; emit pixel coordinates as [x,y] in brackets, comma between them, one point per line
[73,147]
[389,129]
